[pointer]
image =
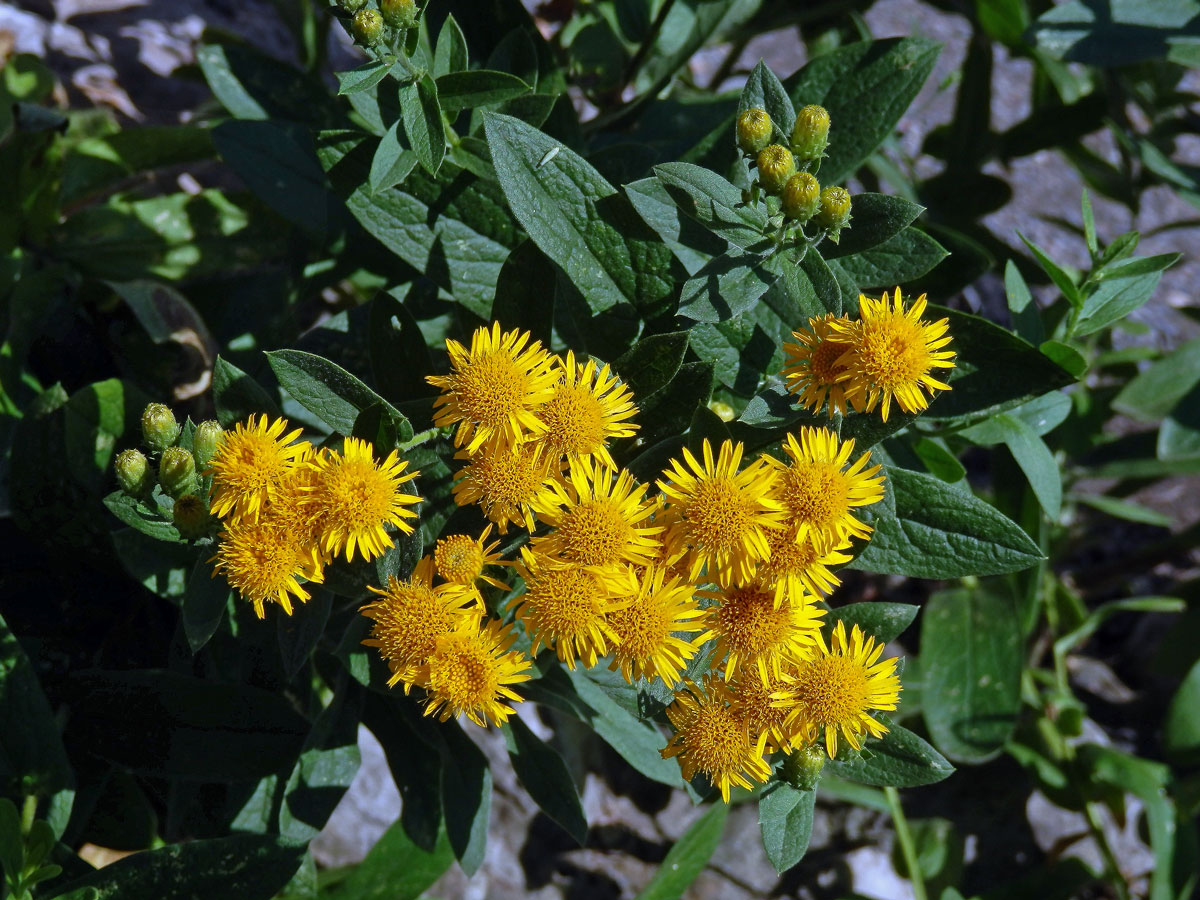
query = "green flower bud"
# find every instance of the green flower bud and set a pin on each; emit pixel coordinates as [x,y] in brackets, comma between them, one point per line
[802,768]
[352,6]
[834,212]
[810,137]
[177,472]
[775,166]
[399,13]
[191,517]
[133,473]
[801,197]
[367,27]
[159,428]
[754,130]
[204,442]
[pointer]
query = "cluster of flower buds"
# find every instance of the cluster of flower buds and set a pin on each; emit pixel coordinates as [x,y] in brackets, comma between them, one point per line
[788,172]
[370,26]
[178,467]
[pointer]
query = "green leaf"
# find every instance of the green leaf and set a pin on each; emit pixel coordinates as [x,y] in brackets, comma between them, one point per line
[142,517]
[451,53]
[652,362]
[299,633]
[394,869]
[96,163]
[253,85]
[688,857]
[971,659]
[1057,274]
[726,287]
[482,87]
[692,243]
[713,202]
[763,90]
[466,797]
[364,77]
[1030,452]
[392,162]
[1066,356]
[163,724]
[236,395]
[580,222]
[395,337]
[1026,320]
[32,758]
[900,259]
[246,866]
[877,218]
[785,816]
[1123,509]
[668,411]
[204,603]
[422,117]
[939,460]
[1181,728]
[414,755]
[544,774]
[928,529]
[328,391]
[12,855]
[1153,393]
[898,759]
[883,621]
[1115,298]
[1179,436]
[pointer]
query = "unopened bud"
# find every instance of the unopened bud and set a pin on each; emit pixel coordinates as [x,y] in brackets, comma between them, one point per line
[191,517]
[775,166]
[722,410]
[802,768]
[367,26]
[810,137]
[352,6]
[159,428]
[133,473]
[399,13]
[834,212]
[177,472]
[754,130]
[205,440]
[801,197]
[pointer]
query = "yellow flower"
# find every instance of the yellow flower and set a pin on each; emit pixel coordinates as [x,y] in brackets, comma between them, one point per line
[461,559]
[356,497]
[648,628]
[814,363]
[598,518]
[249,461]
[712,738]
[263,560]
[819,492]
[587,407]
[800,564]
[891,355]
[292,504]
[751,631]
[505,481]
[753,699]
[494,388]
[409,617]
[469,673]
[564,607]
[835,690]
[717,518]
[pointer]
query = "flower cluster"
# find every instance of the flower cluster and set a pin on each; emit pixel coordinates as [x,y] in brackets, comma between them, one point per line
[288,509]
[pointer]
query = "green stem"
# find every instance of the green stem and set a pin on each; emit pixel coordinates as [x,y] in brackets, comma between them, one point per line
[28,813]
[1096,827]
[420,438]
[907,847]
[651,39]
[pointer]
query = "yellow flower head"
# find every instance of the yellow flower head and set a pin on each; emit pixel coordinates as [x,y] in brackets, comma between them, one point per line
[249,461]
[262,560]
[587,407]
[713,738]
[717,518]
[751,631]
[834,690]
[648,628]
[494,388]
[356,497]
[564,607]
[814,365]
[410,615]
[505,481]
[470,672]
[800,564]
[753,698]
[819,491]
[892,353]
[598,517]
[292,505]
[460,559]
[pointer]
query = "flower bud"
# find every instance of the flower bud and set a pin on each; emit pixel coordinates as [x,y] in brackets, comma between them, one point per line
[205,440]
[834,212]
[801,197]
[399,13]
[367,27]
[177,472]
[159,428]
[754,130]
[775,167]
[810,137]
[722,410]
[802,768]
[133,473]
[191,517]
[352,6]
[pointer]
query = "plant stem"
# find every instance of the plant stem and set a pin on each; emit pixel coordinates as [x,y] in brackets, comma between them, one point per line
[907,848]
[651,39]
[28,813]
[420,438]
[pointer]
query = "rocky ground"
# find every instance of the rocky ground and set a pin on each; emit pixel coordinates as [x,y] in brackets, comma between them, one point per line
[133,56]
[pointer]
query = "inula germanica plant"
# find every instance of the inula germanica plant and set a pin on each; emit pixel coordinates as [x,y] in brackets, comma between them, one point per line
[523,394]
